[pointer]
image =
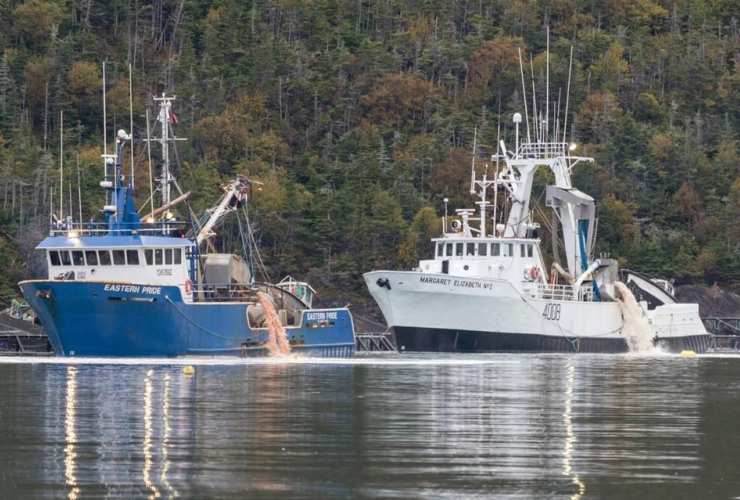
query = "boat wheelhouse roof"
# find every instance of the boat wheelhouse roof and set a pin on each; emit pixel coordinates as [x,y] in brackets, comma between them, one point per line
[460,238]
[65,242]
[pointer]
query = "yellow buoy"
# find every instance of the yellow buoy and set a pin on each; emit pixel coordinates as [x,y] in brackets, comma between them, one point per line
[189,371]
[688,354]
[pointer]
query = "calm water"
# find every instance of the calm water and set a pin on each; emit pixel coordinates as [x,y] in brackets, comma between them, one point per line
[503,426]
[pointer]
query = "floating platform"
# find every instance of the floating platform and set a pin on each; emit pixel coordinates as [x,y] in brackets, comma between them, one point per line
[372,337]
[22,338]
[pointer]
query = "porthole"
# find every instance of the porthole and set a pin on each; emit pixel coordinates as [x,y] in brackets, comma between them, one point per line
[466,267]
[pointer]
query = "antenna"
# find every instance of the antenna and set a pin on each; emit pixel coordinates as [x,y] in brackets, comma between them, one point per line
[131,122]
[444,227]
[557,115]
[79,187]
[547,86]
[524,96]
[149,154]
[534,101]
[567,95]
[61,165]
[472,167]
[105,126]
[69,188]
[498,131]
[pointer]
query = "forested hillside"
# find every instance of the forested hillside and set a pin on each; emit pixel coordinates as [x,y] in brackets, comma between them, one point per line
[358,116]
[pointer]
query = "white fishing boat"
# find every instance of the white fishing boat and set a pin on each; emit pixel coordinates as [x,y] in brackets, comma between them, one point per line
[488,287]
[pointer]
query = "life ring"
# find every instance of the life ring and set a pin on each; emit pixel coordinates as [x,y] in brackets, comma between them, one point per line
[534,273]
[531,273]
[188,286]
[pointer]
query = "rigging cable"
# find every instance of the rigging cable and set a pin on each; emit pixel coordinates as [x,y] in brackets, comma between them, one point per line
[206,330]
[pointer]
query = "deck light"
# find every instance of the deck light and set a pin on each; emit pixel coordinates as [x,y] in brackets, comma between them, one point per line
[572,146]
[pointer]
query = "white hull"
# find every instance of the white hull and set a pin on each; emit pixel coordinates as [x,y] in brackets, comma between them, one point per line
[483,314]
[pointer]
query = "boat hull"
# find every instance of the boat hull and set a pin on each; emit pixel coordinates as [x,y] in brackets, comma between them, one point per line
[442,313]
[134,320]
[410,339]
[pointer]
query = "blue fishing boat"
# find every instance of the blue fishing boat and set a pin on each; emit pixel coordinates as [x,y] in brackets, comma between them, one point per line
[133,286]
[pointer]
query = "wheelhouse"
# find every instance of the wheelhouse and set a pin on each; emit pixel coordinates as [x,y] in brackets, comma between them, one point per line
[149,259]
[516,259]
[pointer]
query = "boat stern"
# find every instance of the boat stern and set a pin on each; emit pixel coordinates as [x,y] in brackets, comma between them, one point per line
[678,327]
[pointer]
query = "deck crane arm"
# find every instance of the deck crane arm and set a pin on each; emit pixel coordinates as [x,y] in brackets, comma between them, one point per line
[234,195]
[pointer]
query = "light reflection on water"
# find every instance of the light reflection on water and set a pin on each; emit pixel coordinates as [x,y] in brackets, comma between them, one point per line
[509,426]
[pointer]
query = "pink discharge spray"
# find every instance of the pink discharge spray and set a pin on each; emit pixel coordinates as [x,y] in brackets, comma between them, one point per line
[277,341]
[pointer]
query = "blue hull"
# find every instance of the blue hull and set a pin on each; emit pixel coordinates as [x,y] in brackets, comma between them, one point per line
[115,320]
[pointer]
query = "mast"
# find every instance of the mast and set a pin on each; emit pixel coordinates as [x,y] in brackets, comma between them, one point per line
[166,117]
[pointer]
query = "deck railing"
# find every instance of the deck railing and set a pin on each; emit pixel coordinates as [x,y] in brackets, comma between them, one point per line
[240,292]
[546,291]
[542,149]
[158,228]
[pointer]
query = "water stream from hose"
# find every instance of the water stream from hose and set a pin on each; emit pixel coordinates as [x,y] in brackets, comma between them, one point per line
[635,326]
[277,340]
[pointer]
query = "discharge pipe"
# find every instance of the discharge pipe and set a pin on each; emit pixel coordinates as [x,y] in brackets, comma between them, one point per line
[593,267]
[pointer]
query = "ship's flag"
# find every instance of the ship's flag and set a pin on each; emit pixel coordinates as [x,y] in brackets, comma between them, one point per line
[173,118]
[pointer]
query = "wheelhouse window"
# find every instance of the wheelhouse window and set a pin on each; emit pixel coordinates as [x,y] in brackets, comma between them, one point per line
[522,250]
[168,256]
[132,256]
[119,257]
[158,257]
[77,258]
[459,249]
[104,256]
[92,257]
[440,249]
[495,249]
[530,251]
[178,255]
[470,249]
[54,257]
[65,258]
[148,255]
[482,249]
[449,250]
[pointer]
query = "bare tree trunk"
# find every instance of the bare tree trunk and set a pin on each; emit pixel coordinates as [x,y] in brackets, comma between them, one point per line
[86,9]
[46,114]
[20,218]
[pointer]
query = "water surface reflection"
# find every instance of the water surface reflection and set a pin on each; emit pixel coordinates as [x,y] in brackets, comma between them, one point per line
[513,426]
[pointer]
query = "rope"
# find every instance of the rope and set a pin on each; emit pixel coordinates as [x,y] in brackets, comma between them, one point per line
[204,329]
[247,249]
[576,341]
[253,244]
